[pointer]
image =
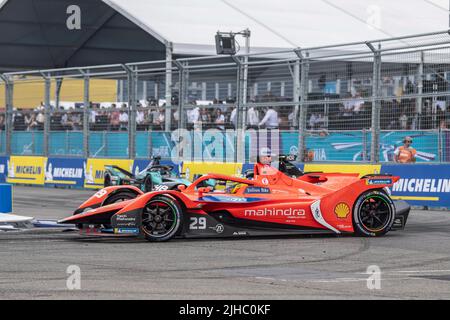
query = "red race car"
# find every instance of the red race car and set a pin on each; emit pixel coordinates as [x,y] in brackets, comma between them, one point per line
[225,206]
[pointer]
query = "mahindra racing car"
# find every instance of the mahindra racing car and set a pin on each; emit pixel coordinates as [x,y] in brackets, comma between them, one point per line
[154,177]
[217,205]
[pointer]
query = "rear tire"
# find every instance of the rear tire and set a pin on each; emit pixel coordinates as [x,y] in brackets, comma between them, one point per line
[162,219]
[107,182]
[373,214]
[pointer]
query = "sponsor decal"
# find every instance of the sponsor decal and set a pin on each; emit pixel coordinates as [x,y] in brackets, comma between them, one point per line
[257,190]
[342,210]
[126,230]
[265,181]
[240,233]
[273,212]
[218,228]
[28,170]
[378,181]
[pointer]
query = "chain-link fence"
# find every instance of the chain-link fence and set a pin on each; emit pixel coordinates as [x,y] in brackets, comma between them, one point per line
[358,102]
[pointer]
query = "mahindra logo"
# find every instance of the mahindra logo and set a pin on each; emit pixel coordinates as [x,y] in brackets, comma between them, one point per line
[274,212]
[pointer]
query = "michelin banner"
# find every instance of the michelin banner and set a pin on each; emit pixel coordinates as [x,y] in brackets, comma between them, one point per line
[94,170]
[26,170]
[64,172]
[421,185]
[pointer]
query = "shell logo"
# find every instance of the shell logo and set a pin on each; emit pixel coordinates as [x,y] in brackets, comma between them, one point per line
[342,210]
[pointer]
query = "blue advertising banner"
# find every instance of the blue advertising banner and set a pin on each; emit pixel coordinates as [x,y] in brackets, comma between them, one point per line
[3,168]
[65,171]
[421,184]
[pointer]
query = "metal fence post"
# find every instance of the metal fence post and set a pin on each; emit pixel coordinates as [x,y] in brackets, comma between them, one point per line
[297,90]
[47,107]
[182,94]
[168,113]
[303,104]
[240,111]
[9,86]
[376,104]
[132,99]
[419,91]
[86,111]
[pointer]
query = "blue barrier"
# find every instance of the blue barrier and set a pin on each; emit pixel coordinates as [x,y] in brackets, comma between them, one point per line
[66,143]
[5,198]
[108,144]
[27,143]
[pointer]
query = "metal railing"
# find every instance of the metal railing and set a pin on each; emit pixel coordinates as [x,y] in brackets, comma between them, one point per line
[352,102]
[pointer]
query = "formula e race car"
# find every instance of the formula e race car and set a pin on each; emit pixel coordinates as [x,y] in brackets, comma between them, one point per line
[154,177]
[271,204]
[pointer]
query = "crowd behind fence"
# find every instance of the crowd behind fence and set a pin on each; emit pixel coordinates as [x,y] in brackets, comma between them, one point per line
[352,103]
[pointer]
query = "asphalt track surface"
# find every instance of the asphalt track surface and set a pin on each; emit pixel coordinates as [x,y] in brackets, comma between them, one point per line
[414,263]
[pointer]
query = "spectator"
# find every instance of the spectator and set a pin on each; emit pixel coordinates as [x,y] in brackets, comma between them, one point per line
[233,117]
[205,117]
[403,121]
[2,122]
[40,119]
[114,118]
[312,121]
[405,153]
[252,118]
[220,119]
[123,120]
[30,121]
[270,120]
[193,117]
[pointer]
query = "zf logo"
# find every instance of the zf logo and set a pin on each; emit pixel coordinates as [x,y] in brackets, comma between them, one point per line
[73,21]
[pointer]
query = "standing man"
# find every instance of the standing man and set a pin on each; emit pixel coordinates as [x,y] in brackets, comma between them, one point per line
[270,120]
[405,153]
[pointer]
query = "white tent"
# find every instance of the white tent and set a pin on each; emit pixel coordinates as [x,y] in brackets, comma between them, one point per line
[191,25]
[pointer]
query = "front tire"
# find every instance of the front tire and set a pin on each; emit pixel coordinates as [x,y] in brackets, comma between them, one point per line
[373,214]
[162,219]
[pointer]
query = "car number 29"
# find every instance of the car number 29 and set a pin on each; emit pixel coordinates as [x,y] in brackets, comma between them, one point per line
[197,223]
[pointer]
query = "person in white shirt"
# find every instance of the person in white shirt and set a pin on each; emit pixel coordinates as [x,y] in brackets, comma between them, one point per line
[140,117]
[270,120]
[233,117]
[252,118]
[193,117]
[123,120]
[220,119]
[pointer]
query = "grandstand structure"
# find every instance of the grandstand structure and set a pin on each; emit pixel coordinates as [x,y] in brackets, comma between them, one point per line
[135,76]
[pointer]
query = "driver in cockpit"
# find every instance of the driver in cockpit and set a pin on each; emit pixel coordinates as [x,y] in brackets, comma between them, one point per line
[263,164]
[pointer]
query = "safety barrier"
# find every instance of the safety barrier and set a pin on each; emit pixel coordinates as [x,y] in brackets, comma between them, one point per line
[337,146]
[420,184]
[5,198]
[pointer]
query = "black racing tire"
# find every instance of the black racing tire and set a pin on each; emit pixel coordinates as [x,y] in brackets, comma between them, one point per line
[148,184]
[373,214]
[107,182]
[119,196]
[162,219]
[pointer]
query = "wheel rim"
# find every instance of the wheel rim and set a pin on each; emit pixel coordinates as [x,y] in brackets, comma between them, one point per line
[159,218]
[374,213]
